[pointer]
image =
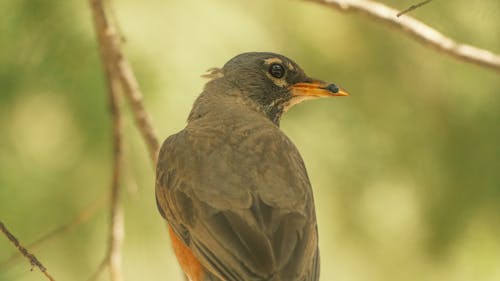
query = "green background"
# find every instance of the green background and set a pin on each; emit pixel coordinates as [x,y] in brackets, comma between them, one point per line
[405,171]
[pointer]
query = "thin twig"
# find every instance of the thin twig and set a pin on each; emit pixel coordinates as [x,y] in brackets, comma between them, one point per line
[129,84]
[418,30]
[112,55]
[33,260]
[413,7]
[100,269]
[79,219]
[132,91]
[116,231]
[117,234]
[107,39]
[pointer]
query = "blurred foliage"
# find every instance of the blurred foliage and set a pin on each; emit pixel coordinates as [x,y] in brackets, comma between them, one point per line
[406,171]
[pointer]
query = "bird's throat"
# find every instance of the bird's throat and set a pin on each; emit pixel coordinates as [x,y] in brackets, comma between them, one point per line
[274,113]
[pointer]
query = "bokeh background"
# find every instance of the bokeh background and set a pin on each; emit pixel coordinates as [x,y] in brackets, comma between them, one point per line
[406,171]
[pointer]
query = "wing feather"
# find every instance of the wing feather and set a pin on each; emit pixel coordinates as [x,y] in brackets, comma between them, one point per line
[255,223]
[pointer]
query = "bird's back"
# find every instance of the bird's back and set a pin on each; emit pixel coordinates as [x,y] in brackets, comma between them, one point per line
[234,188]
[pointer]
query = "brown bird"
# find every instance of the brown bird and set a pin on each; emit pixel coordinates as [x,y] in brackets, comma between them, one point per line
[232,186]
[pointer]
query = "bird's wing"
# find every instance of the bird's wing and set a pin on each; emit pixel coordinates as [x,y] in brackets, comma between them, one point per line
[242,204]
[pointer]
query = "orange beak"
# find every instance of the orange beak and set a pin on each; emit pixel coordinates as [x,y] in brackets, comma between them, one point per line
[316,89]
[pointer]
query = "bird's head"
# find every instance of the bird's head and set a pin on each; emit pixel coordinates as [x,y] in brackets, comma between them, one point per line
[273,81]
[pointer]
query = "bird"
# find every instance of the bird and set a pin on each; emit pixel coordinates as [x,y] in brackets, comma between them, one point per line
[232,186]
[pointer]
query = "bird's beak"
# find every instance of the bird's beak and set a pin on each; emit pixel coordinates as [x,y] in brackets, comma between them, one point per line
[316,89]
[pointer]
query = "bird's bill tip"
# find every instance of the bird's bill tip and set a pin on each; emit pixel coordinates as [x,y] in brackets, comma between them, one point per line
[318,89]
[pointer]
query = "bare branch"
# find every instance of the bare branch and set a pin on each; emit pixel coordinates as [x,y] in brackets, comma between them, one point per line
[418,30]
[121,70]
[129,84]
[79,219]
[134,95]
[413,7]
[33,260]
[116,231]
[116,237]
[100,269]
[107,42]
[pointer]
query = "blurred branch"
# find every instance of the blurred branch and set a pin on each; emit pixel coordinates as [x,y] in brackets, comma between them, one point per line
[100,269]
[108,43]
[116,231]
[33,260]
[413,7]
[117,234]
[124,73]
[82,217]
[134,95]
[118,69]
[418,30]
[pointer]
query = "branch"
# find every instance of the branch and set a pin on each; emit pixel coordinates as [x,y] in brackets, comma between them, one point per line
[116,236]
[82,217]
[107,42]
[134,95]
[121,70]
[418,30]
[124,73]
[33,260]
[413,7]
[100,269]
[116,231]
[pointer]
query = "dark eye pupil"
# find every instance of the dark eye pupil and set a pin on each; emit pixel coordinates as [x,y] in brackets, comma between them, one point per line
[277,70]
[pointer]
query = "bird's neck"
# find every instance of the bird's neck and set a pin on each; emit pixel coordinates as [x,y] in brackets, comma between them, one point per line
[232,106]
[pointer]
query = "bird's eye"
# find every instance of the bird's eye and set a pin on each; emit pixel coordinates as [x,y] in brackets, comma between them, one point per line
[277,70]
